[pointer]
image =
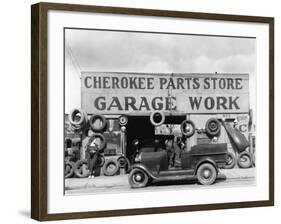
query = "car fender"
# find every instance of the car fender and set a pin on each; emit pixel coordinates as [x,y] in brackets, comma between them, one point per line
[142,167]
[206,160]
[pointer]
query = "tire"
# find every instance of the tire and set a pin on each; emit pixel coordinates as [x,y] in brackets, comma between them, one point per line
[92,122]
[79,171]
[230,160]
[245,160]
[103,141]
[123,120]
[69,169]
[213,127]
[122,161]
[187,132]
[101,161]
[138,178]
[110,167]
[77,124]
[157,113]
[206,174]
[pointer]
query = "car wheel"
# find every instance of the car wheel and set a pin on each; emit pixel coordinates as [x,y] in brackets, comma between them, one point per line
[110,168]
[230,160]
[81,168]
[213,127]
[245,160]
[69,169]
[138,178]
[206,174]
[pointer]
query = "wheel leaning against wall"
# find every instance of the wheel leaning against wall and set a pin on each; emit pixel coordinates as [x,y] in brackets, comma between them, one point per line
[245,160]
[110,167]
[101,161]
[213,127]
[81,171]
[69,169]
[230,160]
[93,119]
[123,162]
[187,128]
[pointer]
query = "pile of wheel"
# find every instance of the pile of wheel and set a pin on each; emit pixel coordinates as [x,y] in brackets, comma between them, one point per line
[81,168]
[243,160]
[111,167]
[69,168]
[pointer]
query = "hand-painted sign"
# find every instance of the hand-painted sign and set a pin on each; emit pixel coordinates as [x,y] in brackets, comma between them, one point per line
[115,93]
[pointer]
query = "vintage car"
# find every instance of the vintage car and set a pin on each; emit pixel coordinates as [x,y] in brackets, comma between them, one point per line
[201,161]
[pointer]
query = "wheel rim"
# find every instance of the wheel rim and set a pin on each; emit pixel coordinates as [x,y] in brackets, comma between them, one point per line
[213,126]
[206,174]
[138,178]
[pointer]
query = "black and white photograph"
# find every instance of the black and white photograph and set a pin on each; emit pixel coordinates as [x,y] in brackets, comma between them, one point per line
[152,111]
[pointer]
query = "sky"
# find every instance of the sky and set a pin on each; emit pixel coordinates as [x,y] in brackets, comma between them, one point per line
[117,51]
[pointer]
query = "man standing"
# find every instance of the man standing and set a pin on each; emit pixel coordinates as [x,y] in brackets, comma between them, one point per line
[93,156]
[174,148]
[177,151]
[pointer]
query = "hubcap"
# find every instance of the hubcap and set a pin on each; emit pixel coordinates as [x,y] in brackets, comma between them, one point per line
[206,173]
[213,126]
[138,177]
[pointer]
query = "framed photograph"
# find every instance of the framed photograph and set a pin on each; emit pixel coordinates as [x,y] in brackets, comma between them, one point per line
[140,111]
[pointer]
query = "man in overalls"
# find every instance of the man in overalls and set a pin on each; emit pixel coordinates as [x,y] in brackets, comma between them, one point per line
[173,148]
[93,157]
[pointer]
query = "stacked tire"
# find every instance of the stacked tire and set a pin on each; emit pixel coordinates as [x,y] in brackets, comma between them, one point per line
[78,119]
